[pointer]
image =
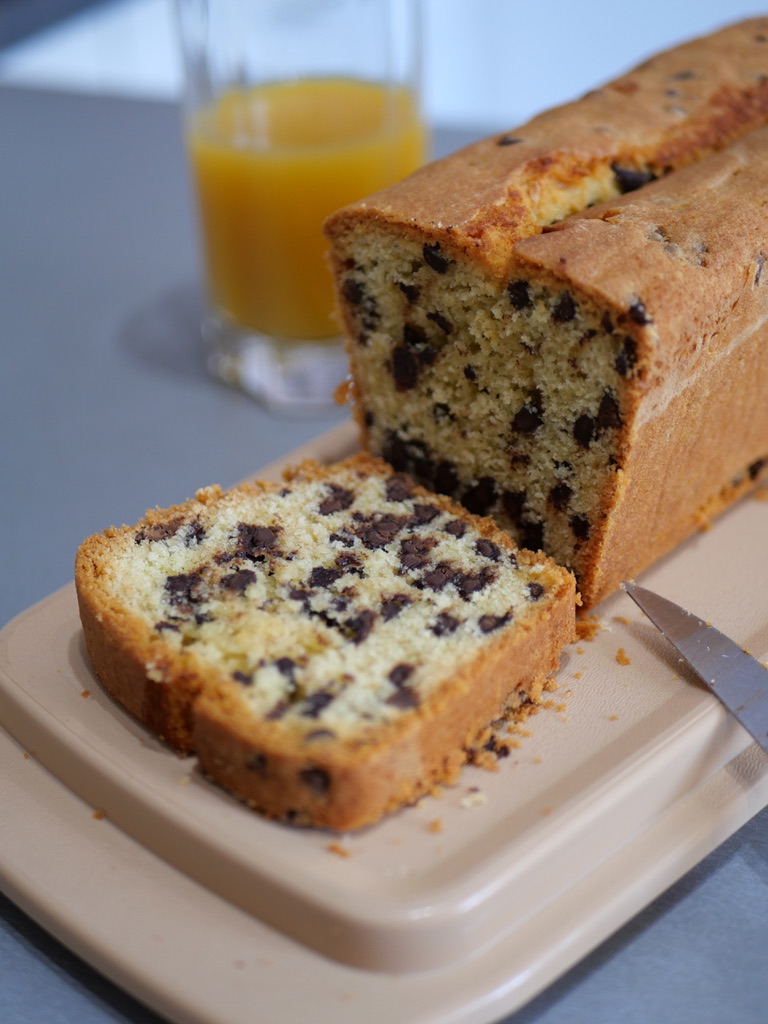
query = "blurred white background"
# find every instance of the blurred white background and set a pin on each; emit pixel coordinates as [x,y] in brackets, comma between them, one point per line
[488,63]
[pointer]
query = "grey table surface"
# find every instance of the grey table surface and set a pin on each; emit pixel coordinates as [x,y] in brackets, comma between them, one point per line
[106,409]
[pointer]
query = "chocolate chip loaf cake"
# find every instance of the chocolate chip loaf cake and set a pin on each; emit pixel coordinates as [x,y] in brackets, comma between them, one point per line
[594,381]
[331,647]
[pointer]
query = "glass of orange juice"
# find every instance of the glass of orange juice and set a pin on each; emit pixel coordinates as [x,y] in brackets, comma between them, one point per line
[293,108]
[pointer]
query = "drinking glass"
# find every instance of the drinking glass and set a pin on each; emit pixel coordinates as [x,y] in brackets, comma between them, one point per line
[292,109]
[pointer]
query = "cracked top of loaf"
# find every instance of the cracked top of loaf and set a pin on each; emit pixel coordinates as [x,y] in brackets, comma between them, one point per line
[680,261]
[672,110]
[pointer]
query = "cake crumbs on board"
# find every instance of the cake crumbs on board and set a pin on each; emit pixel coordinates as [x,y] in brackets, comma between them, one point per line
[621,657]
[587,627]
[339,849]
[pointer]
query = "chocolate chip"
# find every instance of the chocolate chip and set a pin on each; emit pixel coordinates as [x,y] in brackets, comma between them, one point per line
[513,503]
[410,291]
[194,534]
[414,551]
[300,594]
[400,673]
[161,627]
[488,549]
[470,372]
[445,478]
[535,591]
[564,309]
[607,323]
[529,418]
[317,780]
[348,561]
[488,623]
[441,413]
[630,178]
[559,496]
[277,711]
[423,514]
[238,581]
[322,576]
[184,589]
[360,625]
[518,294]
[314,704]
[442,322]
[342,536]
[456,528]
[408,456]
[252,541]
[495,746]
[532,534]
[579,524]
[403,698]
[434,258]
[755,468]
[258,763]
[626,358]
[609,414]
[352,291]
[286,667]
[508,140]
[481,497]
[445,624]
[584,430]
[399,487]
[414,336]
[639,313]
[158,531]
[437,578]
[471,582]
[381,530]
[339,499]
[405,368]
[392,606]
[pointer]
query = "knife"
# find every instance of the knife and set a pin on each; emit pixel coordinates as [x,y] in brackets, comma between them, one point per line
[739,680]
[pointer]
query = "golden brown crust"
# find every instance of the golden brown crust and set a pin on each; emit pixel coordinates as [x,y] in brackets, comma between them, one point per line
[672,110]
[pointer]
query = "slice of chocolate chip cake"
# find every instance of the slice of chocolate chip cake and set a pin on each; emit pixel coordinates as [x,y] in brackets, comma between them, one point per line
[331,647]
[596,384]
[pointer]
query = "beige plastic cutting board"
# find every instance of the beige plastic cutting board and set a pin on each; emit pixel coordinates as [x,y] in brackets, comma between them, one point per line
[457,887]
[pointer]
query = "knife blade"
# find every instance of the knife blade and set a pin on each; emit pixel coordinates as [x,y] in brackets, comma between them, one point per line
[733,675]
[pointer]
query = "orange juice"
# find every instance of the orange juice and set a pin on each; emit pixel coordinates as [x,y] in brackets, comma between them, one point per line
[270,164]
